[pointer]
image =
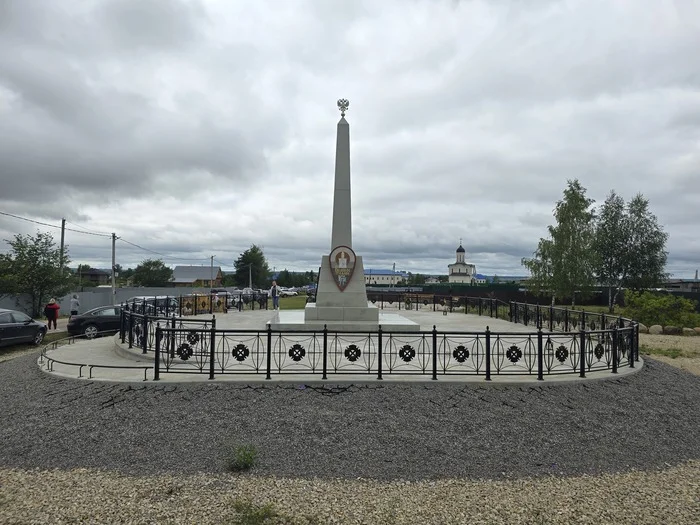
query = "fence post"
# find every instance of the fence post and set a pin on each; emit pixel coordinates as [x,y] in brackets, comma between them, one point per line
[614,350]
[539,316]
[144,344]
[490,308]
[488,354]
[566,319]
[434,353]
[636,341]
[582,352]
[212,348]
[325,351]
[551,318]
[131,329]
[630,346]
[172,339]
[269,351]
[122,322]
[379,352]
[582,319]
[510,312]
[540,358]
[480,307]
[526,316]
[156,362]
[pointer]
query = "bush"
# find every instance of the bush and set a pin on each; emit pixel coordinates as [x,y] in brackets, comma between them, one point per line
[241,457]
[664,309]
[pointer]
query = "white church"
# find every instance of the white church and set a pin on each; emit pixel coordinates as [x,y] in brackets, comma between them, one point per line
[461,271]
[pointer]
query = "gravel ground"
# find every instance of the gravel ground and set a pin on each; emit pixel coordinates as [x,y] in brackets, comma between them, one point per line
[377,431]
[84,496]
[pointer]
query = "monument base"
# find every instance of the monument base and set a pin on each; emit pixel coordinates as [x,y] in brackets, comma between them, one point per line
[297,321]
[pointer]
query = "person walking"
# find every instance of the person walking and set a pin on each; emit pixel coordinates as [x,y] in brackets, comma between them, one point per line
[74,304]
[275,294]
[51,313]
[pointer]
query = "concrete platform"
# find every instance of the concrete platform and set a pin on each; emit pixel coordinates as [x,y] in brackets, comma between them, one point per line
[298,320]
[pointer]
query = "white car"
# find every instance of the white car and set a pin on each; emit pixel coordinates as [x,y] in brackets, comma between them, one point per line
[287,292]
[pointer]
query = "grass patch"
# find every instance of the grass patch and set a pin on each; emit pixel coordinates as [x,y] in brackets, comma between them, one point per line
[248,513]
[49,338]
[295,302]
[241,458]
[673,353]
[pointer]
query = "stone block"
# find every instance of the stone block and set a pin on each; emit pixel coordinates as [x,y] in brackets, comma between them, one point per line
[690,332]
[672,330]
[656,329]
[697,329]
[643,329]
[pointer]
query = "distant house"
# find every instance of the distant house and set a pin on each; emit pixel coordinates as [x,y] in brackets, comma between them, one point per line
[480,279]
[390,277]
[197,276]
[93,276]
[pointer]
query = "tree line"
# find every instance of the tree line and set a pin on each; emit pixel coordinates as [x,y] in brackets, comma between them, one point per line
[616,245]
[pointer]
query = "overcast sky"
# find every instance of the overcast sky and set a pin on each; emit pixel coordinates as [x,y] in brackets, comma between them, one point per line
[198,128]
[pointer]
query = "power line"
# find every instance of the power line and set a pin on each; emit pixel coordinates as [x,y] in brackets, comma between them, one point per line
[53,225]
[88,230]
[158,253]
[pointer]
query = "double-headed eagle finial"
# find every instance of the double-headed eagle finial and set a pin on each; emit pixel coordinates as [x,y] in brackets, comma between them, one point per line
[343,105]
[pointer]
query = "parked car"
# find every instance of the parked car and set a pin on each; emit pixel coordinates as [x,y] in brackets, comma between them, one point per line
[96,321]
[287,292]
[17,327]
[154,305]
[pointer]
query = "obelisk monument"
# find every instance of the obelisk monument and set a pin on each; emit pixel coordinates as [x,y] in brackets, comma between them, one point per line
[341,297]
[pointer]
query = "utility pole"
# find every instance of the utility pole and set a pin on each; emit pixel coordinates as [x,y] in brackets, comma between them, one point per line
[250,275]
[63,238]
[114,267]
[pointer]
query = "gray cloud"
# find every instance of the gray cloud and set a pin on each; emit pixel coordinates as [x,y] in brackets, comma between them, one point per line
[195,128]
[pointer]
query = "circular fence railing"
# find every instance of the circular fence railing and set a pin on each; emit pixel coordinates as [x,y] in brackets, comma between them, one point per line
[555,341]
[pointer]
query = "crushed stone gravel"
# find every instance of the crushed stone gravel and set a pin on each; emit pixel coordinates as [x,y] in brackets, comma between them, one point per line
[376,431]
[85,496]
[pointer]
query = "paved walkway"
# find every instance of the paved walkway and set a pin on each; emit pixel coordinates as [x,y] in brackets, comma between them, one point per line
[108,360]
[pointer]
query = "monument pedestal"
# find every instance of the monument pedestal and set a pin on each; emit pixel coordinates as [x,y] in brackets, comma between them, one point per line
[349,305]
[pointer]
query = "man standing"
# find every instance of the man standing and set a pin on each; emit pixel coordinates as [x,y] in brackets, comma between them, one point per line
[74,304]
[275,294]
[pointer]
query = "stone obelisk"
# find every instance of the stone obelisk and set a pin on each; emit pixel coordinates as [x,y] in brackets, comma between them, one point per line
[341,297]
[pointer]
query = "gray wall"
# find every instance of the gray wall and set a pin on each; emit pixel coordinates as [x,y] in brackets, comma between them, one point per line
[95,297]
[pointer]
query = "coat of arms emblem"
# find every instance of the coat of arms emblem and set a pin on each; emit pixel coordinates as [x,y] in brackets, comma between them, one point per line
[342,261]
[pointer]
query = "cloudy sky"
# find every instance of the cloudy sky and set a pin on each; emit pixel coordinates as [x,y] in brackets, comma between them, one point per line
[199,127]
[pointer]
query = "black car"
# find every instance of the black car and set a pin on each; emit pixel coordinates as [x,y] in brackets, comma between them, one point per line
[17,327]
[92,322]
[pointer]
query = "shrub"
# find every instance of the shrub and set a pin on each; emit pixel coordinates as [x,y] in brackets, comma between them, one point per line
[664,309]
[241,457]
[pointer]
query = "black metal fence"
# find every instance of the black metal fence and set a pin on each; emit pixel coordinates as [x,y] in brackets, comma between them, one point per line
[197,304]
[561,342]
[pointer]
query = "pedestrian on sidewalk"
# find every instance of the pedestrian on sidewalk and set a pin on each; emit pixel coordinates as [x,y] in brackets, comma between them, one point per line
[275,294]
[74,304]
[51,313]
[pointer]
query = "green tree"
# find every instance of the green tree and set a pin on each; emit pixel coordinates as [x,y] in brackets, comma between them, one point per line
[610,245]
[564,264]
[152,272]
[33,267]
[629,244]
[646,246]
[251,263]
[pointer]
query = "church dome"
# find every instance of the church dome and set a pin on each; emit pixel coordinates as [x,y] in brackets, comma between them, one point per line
[460,249]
